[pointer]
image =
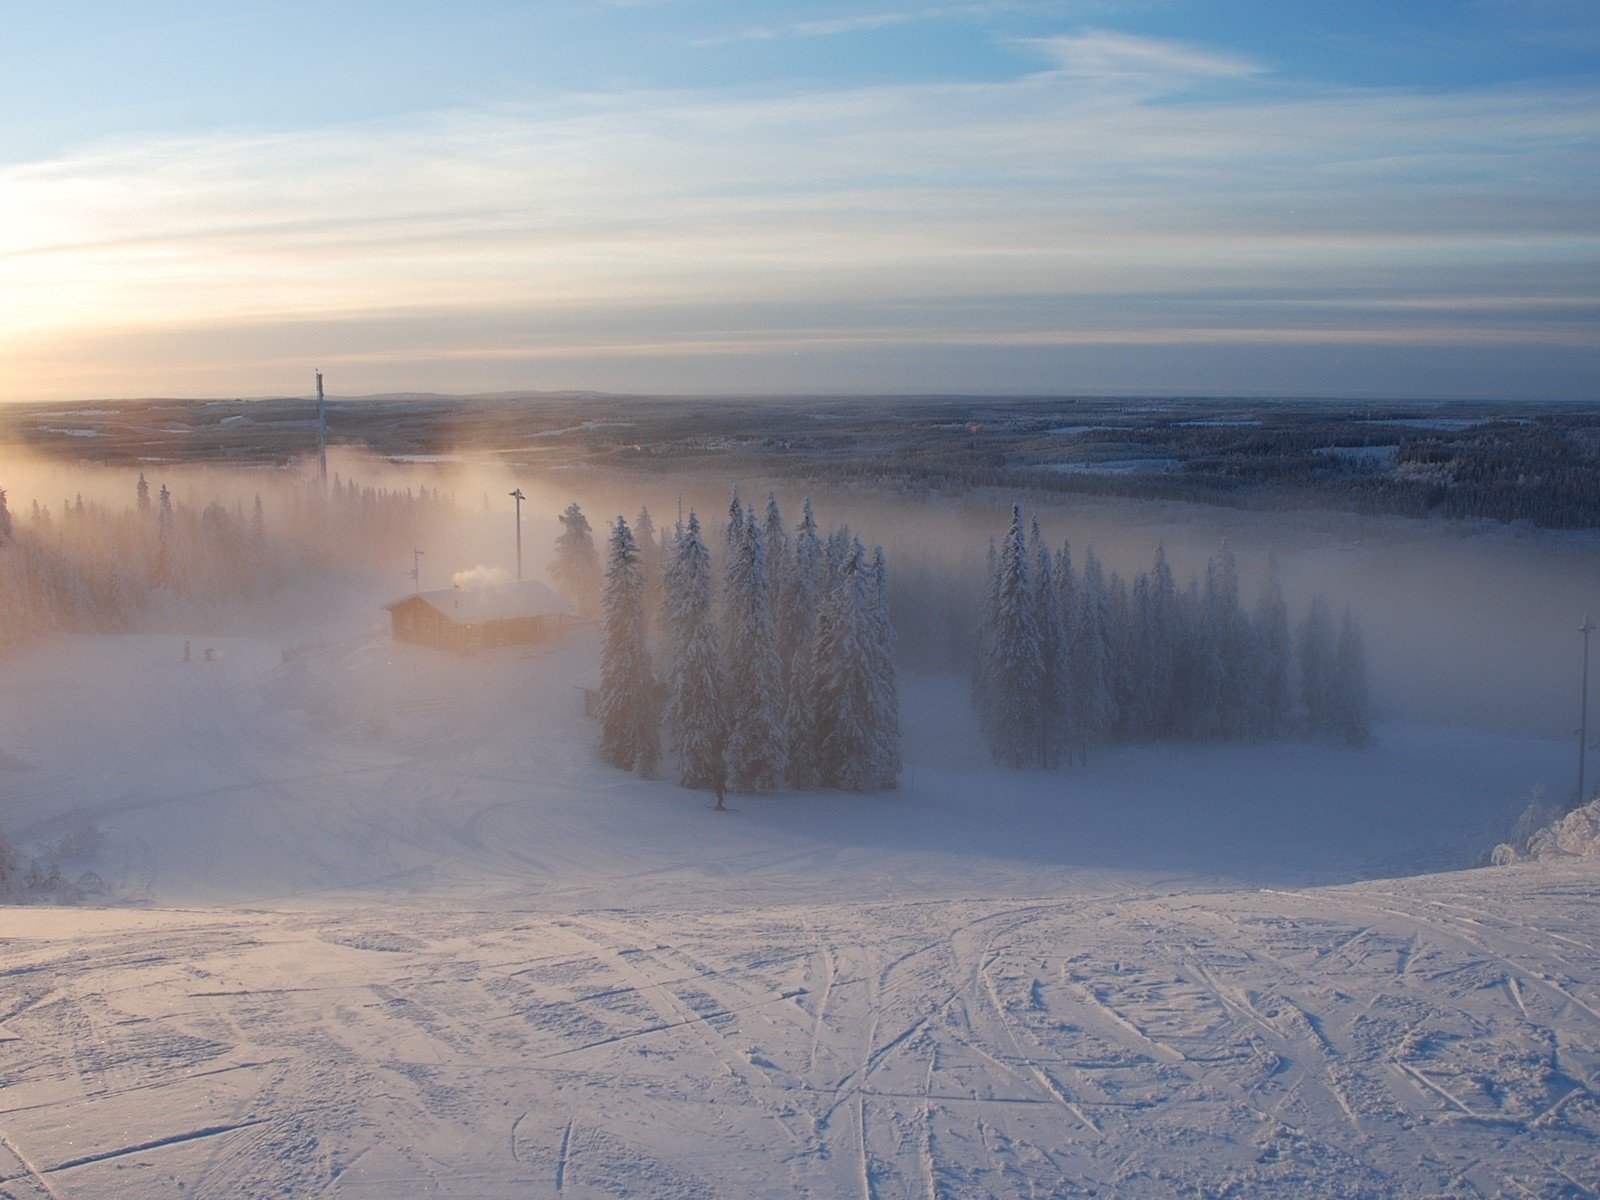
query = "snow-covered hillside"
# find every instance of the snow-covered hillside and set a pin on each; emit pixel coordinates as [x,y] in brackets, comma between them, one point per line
[369,768]
[378,925]
[1433,1037]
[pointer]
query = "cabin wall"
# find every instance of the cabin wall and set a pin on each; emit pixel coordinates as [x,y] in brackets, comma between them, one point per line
[419,623]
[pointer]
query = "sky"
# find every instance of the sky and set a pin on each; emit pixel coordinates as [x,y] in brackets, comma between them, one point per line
[1364,199]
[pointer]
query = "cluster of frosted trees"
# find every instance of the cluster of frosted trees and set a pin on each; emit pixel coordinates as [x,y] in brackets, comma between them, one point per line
[93,566]
[773,664]
[1068,657]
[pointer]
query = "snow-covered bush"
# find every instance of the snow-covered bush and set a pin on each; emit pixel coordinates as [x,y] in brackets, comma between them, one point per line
[1575,834]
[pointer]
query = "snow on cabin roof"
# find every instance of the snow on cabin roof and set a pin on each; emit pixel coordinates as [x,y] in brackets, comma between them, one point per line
[493,601]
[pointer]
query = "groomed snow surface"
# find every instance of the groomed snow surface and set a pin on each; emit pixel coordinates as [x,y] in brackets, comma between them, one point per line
[379,926]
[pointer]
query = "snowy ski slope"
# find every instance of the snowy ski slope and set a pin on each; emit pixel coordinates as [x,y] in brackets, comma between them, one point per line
[383,928]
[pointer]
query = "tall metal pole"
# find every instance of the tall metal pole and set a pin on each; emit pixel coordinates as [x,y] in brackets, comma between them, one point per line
[519,498]
[1583,707]
[416,571]
[322,430]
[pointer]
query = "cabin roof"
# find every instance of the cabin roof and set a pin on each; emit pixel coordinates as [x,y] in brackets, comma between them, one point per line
[486,602]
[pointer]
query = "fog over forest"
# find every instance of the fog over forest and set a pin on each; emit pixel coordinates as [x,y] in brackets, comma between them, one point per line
[1464,624]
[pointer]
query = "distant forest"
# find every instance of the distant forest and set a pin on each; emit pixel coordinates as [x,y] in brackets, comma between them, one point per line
[1502,462]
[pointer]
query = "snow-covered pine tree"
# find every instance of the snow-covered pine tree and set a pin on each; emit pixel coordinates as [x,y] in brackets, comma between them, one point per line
[883,768]
[1233,651]
[780,557]
[1054,687]
[1273,707]
[1139,719]
[732,537]
[142,493]
[1316,654]
[696,720]
[1162,637]
[629,722]
[1188,650]
[164,569]
[1350,717]
[797,633]
[1091,657]
[780,565]
[1071,715]
[756,738]
[652,564]
[1010,678]
[1208,720]
[1122,641]
[5,519]
[576,567]
[852,751]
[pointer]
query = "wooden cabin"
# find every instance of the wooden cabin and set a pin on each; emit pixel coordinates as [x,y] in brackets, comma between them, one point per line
[467,621]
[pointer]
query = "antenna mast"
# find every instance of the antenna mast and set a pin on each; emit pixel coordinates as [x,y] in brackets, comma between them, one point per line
[322,430]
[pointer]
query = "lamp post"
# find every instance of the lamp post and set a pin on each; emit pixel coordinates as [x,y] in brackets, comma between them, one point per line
[519,498]
[1583,706]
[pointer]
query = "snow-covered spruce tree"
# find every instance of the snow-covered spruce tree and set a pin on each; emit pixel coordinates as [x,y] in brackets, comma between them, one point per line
[1136,713]
[1071,715]
[886,762]
[629,723]
[853,754]
[696,722]
[756,739]
[1012,666]
[780,564]
[1054,687]
[1206,714]
[1235,663]
[1122,637]
[1316,654]
[797,633]
[1350,717]
[732,549]
[5,519]
[1091,658]
[576,568]
[780,555]
[1272,710]
[1161,640]
[652,563]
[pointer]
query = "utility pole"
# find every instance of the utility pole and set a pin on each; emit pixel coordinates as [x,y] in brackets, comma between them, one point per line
[1583,707]
[322,431]
[416,571]
[519,498]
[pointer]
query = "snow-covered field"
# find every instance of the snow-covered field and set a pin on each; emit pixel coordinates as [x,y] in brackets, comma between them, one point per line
[378,925]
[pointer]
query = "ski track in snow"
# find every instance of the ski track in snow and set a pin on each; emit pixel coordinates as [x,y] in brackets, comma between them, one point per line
[1244,1043]
[450,958]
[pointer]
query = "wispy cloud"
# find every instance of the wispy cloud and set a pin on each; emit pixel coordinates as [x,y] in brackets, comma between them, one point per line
[1104,55]
[854,23]
[943,214]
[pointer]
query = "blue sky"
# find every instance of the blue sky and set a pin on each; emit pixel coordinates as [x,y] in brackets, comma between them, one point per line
[1358,199]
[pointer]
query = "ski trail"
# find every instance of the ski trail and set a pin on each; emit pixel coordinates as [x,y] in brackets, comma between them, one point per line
[564,1157]
[867,1192]
[32,1173]
[1040,1075]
